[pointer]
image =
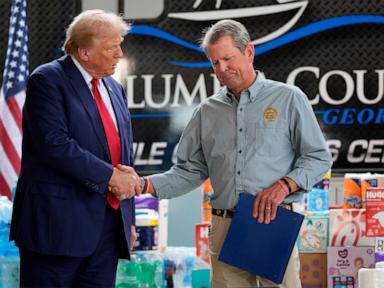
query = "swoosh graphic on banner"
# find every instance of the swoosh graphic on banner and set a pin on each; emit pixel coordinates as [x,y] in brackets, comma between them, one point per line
[306,31]
[250,12]
[238,12]
[158,33]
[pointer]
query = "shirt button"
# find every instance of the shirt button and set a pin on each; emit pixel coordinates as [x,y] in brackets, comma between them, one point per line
[240,151]
[238,172]
[241,129]
[241,109]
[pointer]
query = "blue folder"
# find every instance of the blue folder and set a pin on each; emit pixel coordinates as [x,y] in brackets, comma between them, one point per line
[262,249]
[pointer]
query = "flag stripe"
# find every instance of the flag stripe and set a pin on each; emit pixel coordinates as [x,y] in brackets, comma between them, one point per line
[14,108]
[11,127]
[12,97]
[4,188]
[20,99]
[6,170]
[9,149]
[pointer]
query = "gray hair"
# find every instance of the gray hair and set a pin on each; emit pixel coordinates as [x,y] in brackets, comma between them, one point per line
[86,26]
[236,30]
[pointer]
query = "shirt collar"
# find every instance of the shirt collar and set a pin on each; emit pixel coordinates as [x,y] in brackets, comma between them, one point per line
[253,90]
[87,77]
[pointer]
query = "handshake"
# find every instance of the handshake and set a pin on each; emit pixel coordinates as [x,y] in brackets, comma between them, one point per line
[125,183]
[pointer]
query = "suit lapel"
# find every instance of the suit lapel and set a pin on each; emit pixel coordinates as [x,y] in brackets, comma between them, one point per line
[85,96]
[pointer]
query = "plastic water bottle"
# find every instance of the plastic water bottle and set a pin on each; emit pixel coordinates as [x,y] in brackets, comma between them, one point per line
[5,209]
[169,271]
[128,273]
[147,275]
[4,233]
[159,273]
[9,271]
[189,263]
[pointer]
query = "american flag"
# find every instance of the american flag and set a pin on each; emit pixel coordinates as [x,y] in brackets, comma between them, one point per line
[12,96]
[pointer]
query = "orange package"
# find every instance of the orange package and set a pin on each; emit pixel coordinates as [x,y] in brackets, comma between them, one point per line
[352,191]
[206,202]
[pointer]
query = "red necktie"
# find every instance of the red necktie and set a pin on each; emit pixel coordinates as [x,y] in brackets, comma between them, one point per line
[112,135]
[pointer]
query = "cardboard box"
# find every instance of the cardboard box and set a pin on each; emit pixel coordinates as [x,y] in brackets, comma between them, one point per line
[344,264]
[202,244]
[313,270]
[347,228]
[375,211]
[313,235]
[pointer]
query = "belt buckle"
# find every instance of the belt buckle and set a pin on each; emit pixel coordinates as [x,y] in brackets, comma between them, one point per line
[222,212]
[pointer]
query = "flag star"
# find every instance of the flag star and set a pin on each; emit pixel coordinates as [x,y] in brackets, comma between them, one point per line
[20,78]
[16,62]
[15,53]
[9,85]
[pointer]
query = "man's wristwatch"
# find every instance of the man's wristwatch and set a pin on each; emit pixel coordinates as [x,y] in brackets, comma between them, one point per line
[142,184]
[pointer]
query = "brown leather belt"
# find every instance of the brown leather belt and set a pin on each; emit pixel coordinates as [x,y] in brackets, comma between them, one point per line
[225,213]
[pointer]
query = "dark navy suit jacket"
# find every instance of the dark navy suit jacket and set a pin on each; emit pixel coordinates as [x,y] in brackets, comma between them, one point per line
[60,200]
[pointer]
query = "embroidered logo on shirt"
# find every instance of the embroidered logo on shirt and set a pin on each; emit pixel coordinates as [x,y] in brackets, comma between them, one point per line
[270,114]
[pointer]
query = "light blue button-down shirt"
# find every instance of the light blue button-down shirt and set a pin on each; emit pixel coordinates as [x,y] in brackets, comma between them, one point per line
[245,146]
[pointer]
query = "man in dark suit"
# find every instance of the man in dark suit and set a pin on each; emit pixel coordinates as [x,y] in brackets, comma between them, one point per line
[69,226]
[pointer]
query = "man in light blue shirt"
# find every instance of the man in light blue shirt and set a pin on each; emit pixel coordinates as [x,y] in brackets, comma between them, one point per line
[254,136]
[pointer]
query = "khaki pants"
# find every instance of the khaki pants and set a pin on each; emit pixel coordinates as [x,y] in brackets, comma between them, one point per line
[227,276]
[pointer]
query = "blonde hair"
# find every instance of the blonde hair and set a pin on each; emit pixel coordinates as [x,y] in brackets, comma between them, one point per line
[86,26]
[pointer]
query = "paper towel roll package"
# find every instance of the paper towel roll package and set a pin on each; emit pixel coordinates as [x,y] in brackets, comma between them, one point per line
[372,278]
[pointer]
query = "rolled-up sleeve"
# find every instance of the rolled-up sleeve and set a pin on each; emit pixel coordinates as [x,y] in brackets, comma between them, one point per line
[314,158]
[190,170]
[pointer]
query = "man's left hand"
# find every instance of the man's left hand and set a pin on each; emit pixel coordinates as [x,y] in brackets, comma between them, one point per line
[133,237]
[266,203]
